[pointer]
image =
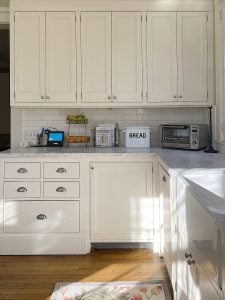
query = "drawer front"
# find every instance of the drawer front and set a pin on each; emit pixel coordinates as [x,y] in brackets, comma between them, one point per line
[22,189]
[60,189]
[41,216]
[62,170]
[22,170]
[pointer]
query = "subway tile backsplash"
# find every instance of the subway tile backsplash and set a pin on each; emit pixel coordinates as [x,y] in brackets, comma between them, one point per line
[37,118]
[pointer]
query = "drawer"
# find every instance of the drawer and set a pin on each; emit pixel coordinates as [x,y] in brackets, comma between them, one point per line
[62,170]
[22,170]
[41,216]
[61,189]
[22,189]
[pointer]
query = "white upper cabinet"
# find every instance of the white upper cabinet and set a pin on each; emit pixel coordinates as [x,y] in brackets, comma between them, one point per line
[162,56]
[111,53]
[192,56]
[45,57]
[96,56]
[177,57]
[30,57]
[126,57]
[60,57]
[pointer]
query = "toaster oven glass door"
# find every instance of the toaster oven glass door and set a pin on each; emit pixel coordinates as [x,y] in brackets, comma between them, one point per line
[176,137]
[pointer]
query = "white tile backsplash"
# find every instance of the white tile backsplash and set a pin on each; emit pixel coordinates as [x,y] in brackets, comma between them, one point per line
[153,117]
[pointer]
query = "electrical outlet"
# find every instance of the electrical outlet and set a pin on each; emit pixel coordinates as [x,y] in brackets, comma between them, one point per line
[30,134]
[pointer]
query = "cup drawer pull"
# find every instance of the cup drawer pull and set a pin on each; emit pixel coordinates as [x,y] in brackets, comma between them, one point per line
[41,217]
[22,189]
[22,170]
[61,189]
[164,178]
[61,170]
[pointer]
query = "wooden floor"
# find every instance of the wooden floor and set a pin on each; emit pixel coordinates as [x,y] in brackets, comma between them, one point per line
[34,277]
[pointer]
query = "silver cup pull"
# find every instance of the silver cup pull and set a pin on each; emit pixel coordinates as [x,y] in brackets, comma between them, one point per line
[180,96]
[61,189]
[61,170]
[164,178]
[22,170]
[22,189]
[42,97]
[47,97]
[175,96]
[109,97]
[41,217]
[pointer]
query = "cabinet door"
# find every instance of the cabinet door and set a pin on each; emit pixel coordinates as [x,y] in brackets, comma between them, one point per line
[121,202]
[29,57]
[192,56]
[162,56]
[164,186]
[60,57]
[126,57]
[96,56]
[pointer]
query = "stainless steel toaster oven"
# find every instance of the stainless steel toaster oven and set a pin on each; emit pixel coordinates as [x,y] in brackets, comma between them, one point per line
[184,136]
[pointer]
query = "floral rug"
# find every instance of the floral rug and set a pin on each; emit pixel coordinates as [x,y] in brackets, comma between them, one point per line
[154,290]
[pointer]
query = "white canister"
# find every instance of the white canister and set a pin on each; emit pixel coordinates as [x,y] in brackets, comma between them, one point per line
[138,137]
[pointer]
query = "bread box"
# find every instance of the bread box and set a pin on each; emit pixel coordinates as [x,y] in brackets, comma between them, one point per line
[138,137]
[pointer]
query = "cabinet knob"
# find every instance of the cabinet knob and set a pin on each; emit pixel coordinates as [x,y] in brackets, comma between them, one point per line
[22,189]
[22,170]
[42,97]
[191,262]
[175,96]
[61,189]
[164,178]
[47,97]
[180,96]
[109,97]
[92,168]
[41,217]
[114,97]
[61,170]
[187,255]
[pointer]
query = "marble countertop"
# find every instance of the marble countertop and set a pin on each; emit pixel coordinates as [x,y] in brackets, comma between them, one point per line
[174,160]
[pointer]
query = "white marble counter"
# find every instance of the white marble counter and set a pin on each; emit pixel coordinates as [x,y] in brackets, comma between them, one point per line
[175,160]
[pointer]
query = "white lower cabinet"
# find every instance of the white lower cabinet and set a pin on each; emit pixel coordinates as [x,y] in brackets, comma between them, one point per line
[122,206]
[45,215]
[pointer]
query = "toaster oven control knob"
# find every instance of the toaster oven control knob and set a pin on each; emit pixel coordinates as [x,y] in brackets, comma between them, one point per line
[194,142]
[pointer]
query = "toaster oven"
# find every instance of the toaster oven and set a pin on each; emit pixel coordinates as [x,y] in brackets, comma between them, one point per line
[184,136]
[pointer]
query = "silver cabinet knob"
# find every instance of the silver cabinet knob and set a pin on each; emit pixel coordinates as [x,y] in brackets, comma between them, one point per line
[114,97]
[92,168]
[164,178]
[109,97]
[22,189]
[190,262]
[22,170]
[187,255]
[41,217]
[175,96]
[180,96]
[42,97]
[47,97]
[61,189]
[61,170]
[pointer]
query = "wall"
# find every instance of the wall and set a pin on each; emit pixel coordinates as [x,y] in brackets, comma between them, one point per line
[153,117]
[4,100]
[4,3]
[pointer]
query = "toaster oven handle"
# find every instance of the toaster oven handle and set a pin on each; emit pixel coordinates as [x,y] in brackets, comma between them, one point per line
[175,126]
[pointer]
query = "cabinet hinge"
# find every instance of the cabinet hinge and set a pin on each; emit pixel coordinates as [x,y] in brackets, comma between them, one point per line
[146,18]
[146,95]
[81,95]
[14,94]
[221,15]
[14,18]
[176,286]
[76,95]
[141,95]
[80,18]
[207,94]
[207,18]
[152,169]
[141,18]
[75,18]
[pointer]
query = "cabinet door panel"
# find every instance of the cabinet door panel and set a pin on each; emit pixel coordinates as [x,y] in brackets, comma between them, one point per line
[126,57]
[121,202]
[192,56]
[29,57]
[96,56]
[162,57]
[60,57]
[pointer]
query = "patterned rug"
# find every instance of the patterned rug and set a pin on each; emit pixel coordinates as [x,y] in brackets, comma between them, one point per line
[146,290]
